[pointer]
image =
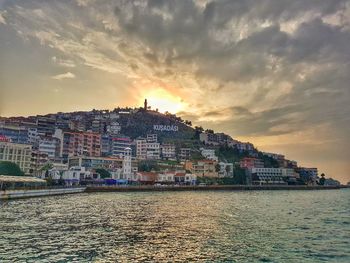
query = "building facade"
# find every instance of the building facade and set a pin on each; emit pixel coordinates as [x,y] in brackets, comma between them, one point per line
[168,151]
[141,148]
[118,146]
[249,163]
[78,143]
[15,134]
[274,176]
[209,154]
[20,154]
[205,168]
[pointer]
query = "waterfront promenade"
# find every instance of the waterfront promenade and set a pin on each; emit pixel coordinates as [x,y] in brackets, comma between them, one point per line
[145,188]
[37,192]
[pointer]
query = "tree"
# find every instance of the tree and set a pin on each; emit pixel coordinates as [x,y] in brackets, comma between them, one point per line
[10,168]
[46,167]
[103,173]
[239,176]
[323,179]
[148,165]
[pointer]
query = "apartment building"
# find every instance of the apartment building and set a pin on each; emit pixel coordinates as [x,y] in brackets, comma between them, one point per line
[17,153]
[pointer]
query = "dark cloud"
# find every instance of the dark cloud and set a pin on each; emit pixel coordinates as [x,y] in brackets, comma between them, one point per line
[246,67]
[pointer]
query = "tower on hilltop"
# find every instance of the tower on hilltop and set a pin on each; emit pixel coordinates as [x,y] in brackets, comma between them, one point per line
[145,104]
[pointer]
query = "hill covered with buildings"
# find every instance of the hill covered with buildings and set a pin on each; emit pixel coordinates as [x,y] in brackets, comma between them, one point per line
[138,145]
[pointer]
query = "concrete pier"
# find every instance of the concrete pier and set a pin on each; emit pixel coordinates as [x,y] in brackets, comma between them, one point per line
[15,194]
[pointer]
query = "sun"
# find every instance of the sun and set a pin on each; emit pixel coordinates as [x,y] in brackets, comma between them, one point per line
[164,101]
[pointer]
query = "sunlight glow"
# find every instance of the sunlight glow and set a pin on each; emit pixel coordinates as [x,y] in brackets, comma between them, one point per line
[163,100]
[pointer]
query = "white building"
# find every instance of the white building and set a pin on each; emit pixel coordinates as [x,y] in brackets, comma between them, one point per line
[262,176]
[141,148]
[75,174]
[226,169]
[209,154]
[20,154]
[153,151]
[167,177]
[49,146]
[190,179]
[114,128]
[33,137]
[168,151]
[152,138]
[185,154]
[245,146]
[127,172]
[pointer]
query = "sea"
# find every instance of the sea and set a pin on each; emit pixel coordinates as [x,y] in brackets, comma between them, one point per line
[208,226]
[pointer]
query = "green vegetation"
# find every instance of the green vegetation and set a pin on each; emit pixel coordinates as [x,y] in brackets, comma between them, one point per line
[268,161]
[148,166]
[140,123]
[9,168]
[322,179]
[231,155]
[103,173]
[239,176]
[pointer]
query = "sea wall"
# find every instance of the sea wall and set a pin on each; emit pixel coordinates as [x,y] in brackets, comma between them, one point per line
[206,188]
[14,194]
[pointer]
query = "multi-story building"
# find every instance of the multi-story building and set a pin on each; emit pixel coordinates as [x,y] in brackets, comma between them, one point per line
[49,146]
[46,125]
[249,162]
[168,151]
[226,169]
[262,176]
[108,163]
[33,137]
[97,126]
[205,168]
[78,143]
[127,170]
[105,145]
[17,153]
[152,138]
[141,148]
[209,154]
[308,175]
[113,128]
[280,158]
[210,138]
[16,134]
[38,160]
[245,146]
[118,145]
[153,151]
[185,154]
[166,178]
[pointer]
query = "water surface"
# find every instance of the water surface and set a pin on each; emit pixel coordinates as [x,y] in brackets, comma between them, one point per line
[256,226]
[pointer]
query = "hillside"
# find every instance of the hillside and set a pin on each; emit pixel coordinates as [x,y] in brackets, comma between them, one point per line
[168,126]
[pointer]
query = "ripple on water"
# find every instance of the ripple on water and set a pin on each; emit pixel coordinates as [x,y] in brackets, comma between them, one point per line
[276,226]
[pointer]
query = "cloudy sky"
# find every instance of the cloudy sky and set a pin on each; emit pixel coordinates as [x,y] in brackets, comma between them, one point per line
[272,72]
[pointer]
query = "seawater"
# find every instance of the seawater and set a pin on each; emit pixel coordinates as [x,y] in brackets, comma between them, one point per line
[222,226]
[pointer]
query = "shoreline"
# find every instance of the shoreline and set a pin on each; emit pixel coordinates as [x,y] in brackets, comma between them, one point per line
[150,188]
[29,193]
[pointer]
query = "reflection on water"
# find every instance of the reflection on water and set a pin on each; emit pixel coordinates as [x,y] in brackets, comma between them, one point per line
[266,226]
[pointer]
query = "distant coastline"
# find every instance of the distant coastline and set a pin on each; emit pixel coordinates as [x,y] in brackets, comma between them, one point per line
[146,188]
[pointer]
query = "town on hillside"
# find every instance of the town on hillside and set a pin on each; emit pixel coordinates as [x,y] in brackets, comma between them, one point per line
[137,146]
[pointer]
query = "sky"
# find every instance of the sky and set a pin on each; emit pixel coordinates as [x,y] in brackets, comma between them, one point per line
[272,72]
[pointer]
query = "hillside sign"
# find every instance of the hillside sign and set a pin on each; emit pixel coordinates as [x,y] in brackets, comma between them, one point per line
[166,128]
